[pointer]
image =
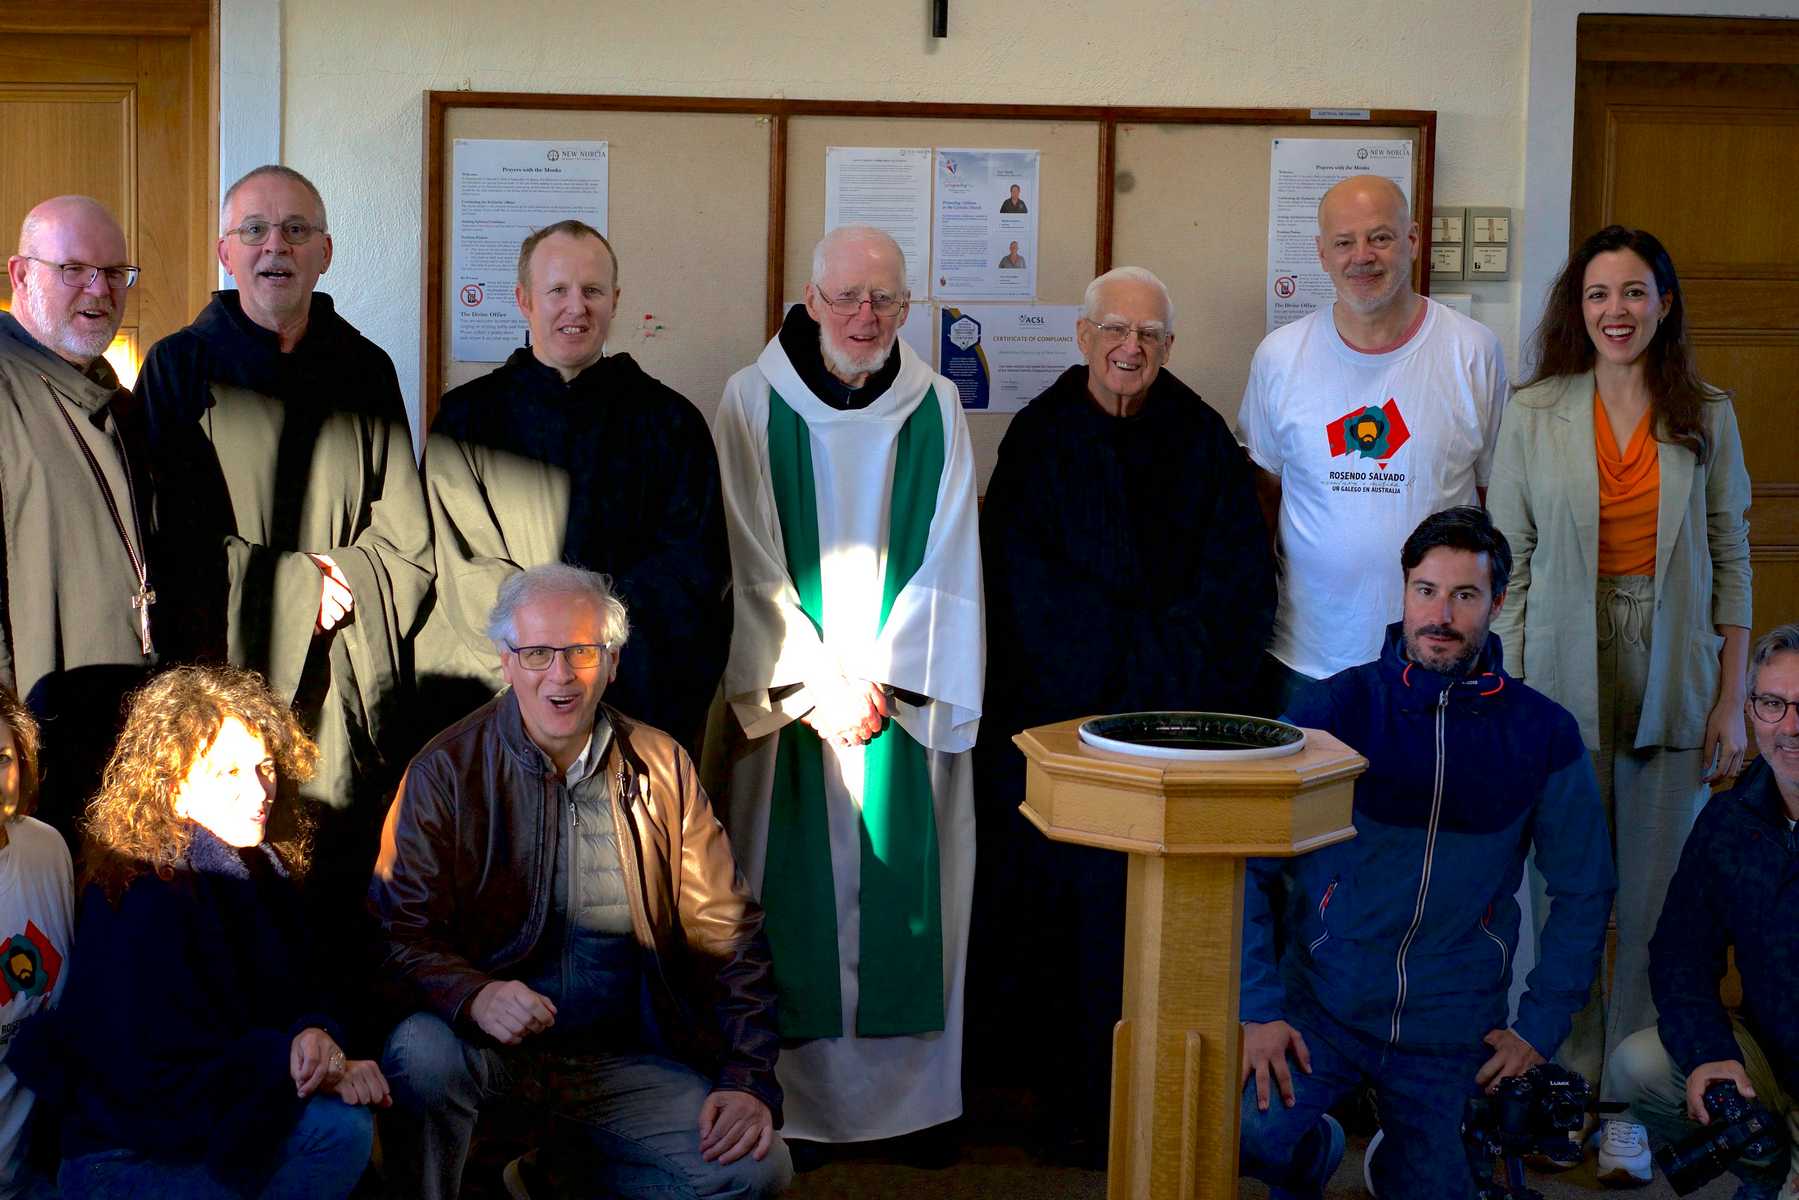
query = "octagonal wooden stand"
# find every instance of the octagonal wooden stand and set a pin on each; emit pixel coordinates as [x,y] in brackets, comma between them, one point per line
[1187,826]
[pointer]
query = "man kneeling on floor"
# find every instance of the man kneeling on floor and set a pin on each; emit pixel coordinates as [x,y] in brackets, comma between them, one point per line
[1736,886]
[1398,943]
[561,904]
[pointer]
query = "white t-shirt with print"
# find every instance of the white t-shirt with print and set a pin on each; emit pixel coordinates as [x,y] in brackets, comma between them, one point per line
[1367,446]
[36,924]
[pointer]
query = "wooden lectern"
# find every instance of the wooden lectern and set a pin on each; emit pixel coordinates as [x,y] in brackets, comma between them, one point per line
[1187,826]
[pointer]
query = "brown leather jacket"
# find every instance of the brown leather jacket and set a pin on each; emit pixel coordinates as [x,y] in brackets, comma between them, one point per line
[462,886]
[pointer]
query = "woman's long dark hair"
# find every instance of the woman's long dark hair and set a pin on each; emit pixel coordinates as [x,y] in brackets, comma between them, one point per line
[1563,346]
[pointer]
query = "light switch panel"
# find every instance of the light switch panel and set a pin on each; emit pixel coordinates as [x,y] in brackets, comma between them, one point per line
[1448,244]
[1489,243]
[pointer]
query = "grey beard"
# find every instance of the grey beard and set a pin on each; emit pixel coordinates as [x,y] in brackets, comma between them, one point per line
[847,366]
[59,337]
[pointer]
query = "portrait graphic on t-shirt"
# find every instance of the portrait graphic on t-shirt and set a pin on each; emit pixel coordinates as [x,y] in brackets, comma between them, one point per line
[1370,433]
[29,964]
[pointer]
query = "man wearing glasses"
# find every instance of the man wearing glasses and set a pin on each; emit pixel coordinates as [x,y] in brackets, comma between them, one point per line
[855,679]
[75,602]
[295,536]
[1120,507]
[568,453]
[1734,889]
[1364,418]
[563,911]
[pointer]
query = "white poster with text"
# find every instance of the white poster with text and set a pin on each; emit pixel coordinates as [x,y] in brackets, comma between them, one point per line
[502,191]
[890,189]
[1300,171]
[984,237]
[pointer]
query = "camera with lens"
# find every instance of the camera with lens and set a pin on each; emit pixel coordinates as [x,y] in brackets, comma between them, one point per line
[1740,1128]
[1532,1113]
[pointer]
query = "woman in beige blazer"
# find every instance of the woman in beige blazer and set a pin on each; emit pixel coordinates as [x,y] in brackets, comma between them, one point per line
[1650,653]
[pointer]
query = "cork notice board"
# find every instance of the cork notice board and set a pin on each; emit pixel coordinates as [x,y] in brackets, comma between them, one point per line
[715,203]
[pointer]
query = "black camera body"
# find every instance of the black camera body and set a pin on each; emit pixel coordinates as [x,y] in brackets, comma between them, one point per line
[1740,1128]
[1532,1113]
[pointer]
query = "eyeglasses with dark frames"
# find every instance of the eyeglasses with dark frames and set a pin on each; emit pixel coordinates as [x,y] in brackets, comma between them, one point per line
[1770,709]
[79,275]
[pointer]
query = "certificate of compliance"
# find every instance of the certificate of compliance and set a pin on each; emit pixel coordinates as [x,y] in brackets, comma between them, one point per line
[503,191]
[1300,171]
[999,358]
[984,245]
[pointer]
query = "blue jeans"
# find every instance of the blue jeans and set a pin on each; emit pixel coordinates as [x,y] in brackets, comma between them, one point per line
[619,1124]
[1421,1097]
[322,1158]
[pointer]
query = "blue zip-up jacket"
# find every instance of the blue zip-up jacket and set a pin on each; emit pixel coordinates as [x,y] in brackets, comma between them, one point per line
[1405,933]
[1737,885]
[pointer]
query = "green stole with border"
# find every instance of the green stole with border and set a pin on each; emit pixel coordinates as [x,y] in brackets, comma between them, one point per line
[900,977]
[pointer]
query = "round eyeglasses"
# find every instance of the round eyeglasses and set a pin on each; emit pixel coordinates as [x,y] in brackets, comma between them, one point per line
[1770,709]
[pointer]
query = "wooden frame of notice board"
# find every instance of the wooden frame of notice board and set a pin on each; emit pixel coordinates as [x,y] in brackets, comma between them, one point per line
[714,204]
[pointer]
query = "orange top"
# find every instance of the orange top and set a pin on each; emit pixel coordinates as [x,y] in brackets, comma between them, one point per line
[1630,489]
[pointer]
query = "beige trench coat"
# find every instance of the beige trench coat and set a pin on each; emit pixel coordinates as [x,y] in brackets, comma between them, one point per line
[1544,496]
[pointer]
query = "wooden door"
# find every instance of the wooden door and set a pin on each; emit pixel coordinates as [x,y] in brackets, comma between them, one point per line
[114,102]
[1689,127]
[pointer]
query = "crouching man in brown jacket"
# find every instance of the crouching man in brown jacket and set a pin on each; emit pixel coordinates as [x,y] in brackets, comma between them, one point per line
[562,907]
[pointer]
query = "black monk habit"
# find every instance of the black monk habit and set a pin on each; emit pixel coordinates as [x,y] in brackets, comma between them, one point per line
[260,458]
[611,471]
[1127,567]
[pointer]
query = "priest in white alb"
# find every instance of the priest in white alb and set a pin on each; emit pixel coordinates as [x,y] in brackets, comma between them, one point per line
[855,679]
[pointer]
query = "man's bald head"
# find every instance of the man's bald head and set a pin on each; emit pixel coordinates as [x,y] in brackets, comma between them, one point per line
[71,211]
[1361,190]
[858,249]
[77,323]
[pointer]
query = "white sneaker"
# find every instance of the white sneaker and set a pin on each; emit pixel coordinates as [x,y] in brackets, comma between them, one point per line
[1624,1155]
[1368,1161]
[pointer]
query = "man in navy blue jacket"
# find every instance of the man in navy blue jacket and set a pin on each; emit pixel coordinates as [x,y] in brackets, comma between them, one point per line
[1390,960]
[1737,885]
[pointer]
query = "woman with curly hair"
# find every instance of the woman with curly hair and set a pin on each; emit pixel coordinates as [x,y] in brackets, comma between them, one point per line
[1619,482]
[36,903]
[198,1061]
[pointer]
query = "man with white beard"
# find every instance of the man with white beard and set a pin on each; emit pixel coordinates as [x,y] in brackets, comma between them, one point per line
[1364,418]
[855,677]
[76,594]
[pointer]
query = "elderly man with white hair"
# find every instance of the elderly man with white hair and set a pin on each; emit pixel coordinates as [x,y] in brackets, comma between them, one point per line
[1127,568]
[855,677]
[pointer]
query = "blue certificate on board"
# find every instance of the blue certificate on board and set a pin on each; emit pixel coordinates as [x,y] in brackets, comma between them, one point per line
[961,358]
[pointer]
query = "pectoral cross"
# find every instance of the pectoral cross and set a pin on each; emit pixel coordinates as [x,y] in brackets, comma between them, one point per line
[142,602]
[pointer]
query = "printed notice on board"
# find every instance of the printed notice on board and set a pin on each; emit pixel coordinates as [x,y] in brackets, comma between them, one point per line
[503,190]
[985,234]
[1001,358]
[890,189]
[1300,171]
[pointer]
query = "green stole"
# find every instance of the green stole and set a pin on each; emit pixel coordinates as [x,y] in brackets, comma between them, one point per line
[900,979]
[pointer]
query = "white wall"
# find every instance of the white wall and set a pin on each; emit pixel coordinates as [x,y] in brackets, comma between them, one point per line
[355,72]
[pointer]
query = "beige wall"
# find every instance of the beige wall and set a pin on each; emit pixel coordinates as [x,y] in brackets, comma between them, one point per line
[354,74]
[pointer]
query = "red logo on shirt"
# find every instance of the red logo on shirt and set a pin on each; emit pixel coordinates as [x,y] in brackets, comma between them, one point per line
[1371,432]
[29,964]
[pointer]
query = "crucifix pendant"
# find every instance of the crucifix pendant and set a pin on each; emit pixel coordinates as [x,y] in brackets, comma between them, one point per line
[142,602]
